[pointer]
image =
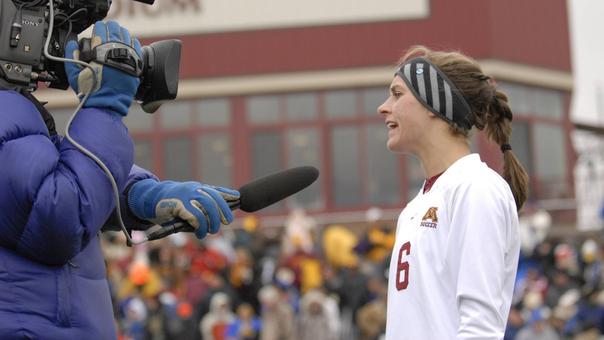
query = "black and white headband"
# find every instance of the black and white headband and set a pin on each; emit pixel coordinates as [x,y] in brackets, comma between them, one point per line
[436,92]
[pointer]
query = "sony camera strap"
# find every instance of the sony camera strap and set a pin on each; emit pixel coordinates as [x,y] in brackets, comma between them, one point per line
[115,54]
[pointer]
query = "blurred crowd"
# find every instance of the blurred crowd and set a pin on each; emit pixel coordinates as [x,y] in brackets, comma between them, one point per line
[296,281]
[559,291]
[303,281]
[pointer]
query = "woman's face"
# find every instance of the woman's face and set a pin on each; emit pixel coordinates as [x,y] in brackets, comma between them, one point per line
[405,118]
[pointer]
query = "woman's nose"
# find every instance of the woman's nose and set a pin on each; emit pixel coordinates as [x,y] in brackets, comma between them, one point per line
[383,109]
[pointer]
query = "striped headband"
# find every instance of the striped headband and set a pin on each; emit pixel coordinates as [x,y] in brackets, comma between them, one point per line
[436,92]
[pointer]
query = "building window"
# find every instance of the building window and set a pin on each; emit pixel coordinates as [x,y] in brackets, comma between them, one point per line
[178,164]
[345,176]
[372,99]
[383,177]
[143,154]
[262,109]
[520,142]
[175,114]
[215,159]
[267,157]
[304,147]
[519,97]
[534,100]
[548,103]
[213,112]
[138,120]
[301,107]
[551,161]
[340,104]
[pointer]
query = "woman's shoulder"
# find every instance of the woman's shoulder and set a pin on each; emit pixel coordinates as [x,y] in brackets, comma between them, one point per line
[477,179]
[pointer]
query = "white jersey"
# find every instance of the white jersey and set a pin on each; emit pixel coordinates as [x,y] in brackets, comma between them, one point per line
[455,257]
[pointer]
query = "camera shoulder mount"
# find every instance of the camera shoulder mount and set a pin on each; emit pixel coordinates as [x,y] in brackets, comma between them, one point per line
[114,54]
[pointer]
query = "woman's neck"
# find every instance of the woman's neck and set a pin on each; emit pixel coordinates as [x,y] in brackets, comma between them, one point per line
[439,156]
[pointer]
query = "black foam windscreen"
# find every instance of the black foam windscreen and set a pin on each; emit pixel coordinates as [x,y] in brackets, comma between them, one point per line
[270,189]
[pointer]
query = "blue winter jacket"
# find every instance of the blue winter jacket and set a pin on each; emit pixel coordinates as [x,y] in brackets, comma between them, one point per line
[54,201]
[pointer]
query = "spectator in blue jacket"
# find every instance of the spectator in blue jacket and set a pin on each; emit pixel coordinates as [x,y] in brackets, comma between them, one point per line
[55,200]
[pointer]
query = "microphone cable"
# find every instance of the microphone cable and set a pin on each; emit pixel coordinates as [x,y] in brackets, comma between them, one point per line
[99,162]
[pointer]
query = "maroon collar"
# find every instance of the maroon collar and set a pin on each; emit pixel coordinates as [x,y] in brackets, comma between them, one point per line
[430,182]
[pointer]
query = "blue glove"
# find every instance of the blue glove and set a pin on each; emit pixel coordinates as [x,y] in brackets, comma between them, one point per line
[114,89]
[203,207]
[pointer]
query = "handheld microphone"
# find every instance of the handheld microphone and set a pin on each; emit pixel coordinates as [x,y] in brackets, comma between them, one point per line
[257,194]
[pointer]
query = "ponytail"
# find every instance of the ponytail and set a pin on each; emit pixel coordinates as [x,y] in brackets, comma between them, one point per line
[499,129]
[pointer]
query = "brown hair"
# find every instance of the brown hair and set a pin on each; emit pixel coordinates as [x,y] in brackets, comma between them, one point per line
[490,108]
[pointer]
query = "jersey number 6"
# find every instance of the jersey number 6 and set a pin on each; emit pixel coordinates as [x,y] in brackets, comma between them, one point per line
[403,267]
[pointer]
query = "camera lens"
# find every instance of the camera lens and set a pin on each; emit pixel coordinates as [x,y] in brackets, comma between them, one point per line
[159,81]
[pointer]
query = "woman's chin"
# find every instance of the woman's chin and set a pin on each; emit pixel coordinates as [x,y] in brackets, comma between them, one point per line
[392,145]
[396,146]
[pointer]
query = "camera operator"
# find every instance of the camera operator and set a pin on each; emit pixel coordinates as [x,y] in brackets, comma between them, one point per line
[54,201]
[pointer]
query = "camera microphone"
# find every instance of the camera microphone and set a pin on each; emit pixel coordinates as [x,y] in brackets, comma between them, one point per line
[258,194]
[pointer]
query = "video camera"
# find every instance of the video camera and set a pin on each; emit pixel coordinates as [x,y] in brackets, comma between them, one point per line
[24,29]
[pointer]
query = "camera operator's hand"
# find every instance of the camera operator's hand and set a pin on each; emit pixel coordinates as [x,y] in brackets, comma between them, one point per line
[202,206]
[114,89]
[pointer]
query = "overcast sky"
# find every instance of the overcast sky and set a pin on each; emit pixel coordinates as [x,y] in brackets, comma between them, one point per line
[586,18]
